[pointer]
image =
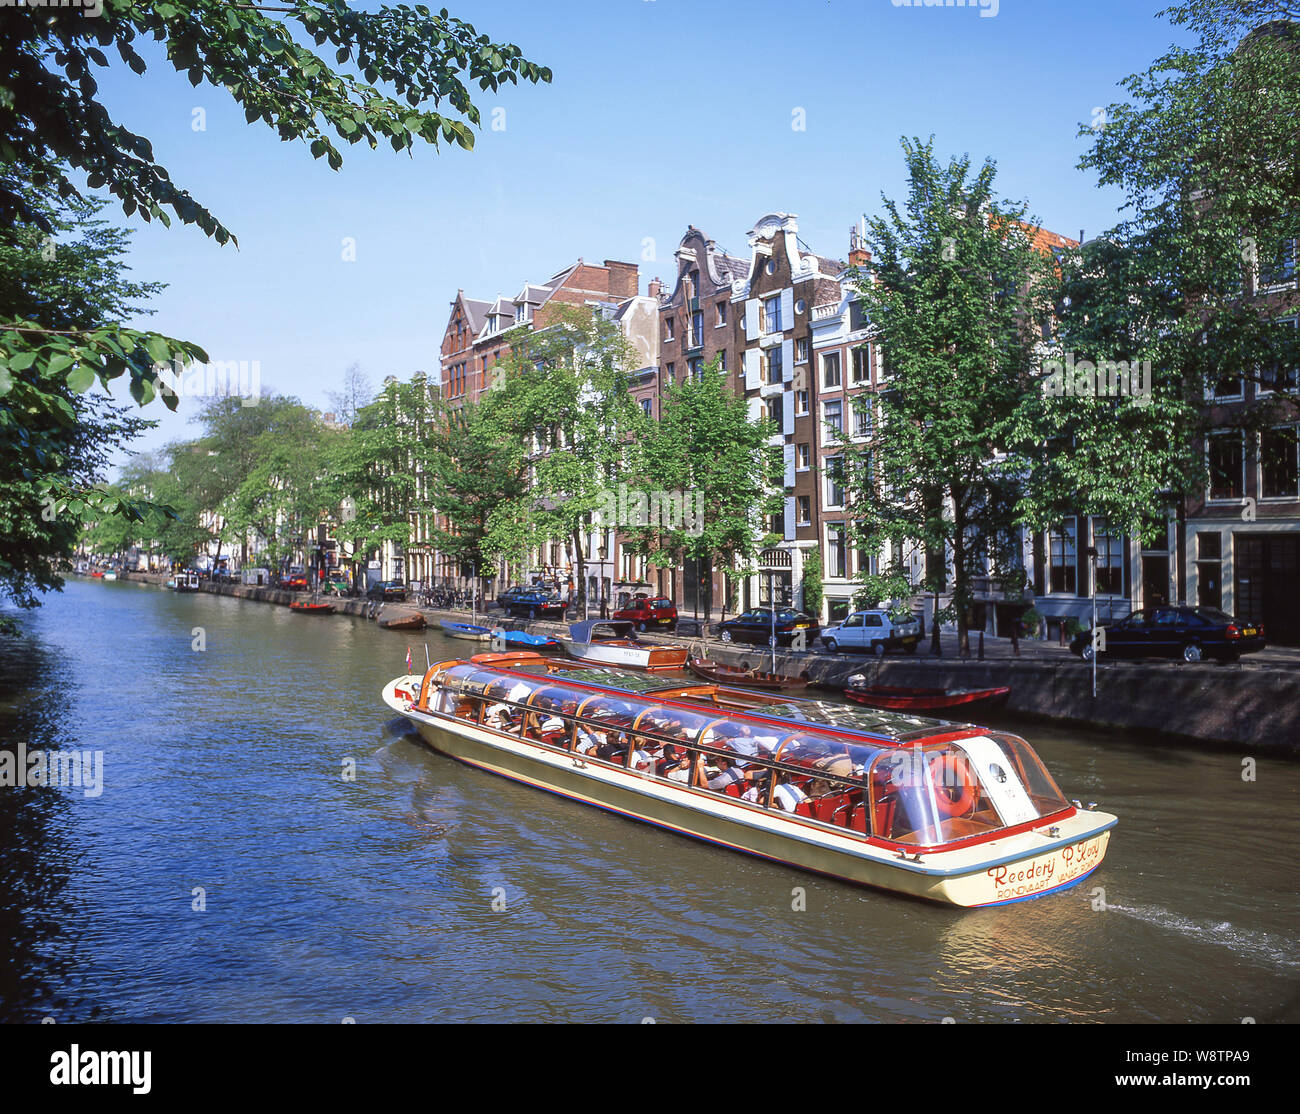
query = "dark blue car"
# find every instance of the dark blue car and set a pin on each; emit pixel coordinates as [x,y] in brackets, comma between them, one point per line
[1190,633]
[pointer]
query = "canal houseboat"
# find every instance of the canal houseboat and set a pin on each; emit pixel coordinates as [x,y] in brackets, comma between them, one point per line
[952,813]
[613,642]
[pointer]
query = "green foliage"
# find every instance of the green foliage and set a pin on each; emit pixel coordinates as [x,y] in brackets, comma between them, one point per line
[953,289]
[1206,152]
[812,583]
[705,442]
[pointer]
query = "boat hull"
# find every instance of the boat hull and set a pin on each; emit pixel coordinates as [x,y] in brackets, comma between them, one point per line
[1011,868]
[466,631]
[745,678]
[929,700]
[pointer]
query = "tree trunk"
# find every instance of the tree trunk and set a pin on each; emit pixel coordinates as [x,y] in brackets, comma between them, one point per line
[580,564]
[959,583]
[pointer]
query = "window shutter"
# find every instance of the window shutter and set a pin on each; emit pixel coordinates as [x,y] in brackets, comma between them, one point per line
[789,518]
[787,309]
[787,412]
[751,319]
[787,360]
[753,369]
[789,465]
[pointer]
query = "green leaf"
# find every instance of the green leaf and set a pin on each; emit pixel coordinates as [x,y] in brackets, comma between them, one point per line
[80,379]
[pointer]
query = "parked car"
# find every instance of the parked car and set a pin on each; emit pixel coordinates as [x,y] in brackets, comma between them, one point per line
[1190,633]
[755,625]
[873,630]
[386,590]
[296,579]
[647,613]
[535,604]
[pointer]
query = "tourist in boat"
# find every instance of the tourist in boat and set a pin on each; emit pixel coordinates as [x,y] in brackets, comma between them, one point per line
[727,772]
[787,795]
[679,765]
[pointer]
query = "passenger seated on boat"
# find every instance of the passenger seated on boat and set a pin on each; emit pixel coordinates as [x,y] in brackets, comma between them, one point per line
[678,764]
[787,795]
[837,765]
[586,741]
[726,772]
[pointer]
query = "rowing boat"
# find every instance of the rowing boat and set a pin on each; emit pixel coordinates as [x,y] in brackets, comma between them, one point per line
[404,622]
[895,698]
[747,678]
[471,632]
[306,607]
[951,813]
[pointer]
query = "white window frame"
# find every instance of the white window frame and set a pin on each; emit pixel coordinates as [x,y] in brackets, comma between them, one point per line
[1259,465]
[1230,500]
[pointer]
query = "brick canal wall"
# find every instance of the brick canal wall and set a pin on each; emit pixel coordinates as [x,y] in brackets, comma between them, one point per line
[1252,710]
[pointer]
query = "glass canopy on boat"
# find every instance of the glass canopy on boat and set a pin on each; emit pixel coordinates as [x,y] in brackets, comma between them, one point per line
[901,778]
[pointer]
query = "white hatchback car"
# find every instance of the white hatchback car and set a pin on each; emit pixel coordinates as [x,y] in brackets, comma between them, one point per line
[872,630]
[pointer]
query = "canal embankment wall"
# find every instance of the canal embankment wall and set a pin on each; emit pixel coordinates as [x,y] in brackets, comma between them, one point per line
[1254,710]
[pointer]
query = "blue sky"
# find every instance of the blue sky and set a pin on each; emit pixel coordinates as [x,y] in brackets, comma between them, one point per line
[662,113]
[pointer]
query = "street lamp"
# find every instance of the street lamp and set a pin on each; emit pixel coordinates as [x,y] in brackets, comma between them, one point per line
[1091,551]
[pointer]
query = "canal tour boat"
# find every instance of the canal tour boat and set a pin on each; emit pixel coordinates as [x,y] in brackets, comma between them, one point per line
[947,812]
[614,642]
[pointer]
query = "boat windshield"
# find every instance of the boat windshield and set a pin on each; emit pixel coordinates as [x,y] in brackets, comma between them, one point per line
[914,785]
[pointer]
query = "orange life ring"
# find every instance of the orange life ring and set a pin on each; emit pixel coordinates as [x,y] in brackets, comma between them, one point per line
[955,787]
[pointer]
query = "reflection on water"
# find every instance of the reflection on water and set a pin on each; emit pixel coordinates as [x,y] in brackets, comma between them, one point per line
[231,872]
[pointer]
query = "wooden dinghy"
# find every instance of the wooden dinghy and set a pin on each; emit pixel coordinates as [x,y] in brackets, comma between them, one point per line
[746,678]
[894,698]
[404,622]
[306,607]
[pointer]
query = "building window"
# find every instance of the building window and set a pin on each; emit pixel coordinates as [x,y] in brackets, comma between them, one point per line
[722,314]
[801,350]
[803,510]
[671,371]
[647,407]
[857,316]
[836,551]
[802,457]
[697,329]
[833,416]
[775,365]
[831,370]
[1282,375]
[1110,558]
[1063,560]
[669,328]
[722,360]
[861,364]
[770,318]
[861,418]
[1279,463]
[1227,466]
[776,523]
[1277,268]
[774,409]
[834,471]
[801,402]
[695,366]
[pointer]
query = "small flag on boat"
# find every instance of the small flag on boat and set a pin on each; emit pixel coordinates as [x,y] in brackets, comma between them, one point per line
[408,659]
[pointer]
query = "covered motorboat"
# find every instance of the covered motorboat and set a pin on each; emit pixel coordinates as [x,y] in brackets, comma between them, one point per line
[614,642]
[952,813]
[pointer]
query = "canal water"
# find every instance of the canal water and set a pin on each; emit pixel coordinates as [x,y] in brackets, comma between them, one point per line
[225,869]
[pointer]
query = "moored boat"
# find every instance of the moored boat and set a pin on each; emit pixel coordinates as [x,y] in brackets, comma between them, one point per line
[522,640]
[187,582]
[307,607]
[414,621]
[471,632]
[614,642]
[747,678]
[896,698]
[955,814]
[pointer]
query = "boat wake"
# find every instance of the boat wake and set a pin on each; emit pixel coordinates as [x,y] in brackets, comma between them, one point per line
[1265,948]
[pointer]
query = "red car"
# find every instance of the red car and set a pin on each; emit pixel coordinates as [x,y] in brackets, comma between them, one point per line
[647,613]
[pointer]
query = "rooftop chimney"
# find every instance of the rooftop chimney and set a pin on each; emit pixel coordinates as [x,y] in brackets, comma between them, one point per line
[858,254]
[656,288]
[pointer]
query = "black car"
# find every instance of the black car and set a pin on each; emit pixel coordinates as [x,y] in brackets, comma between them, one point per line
[755,625]
[534,604]
[387,590]
[1190,633]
